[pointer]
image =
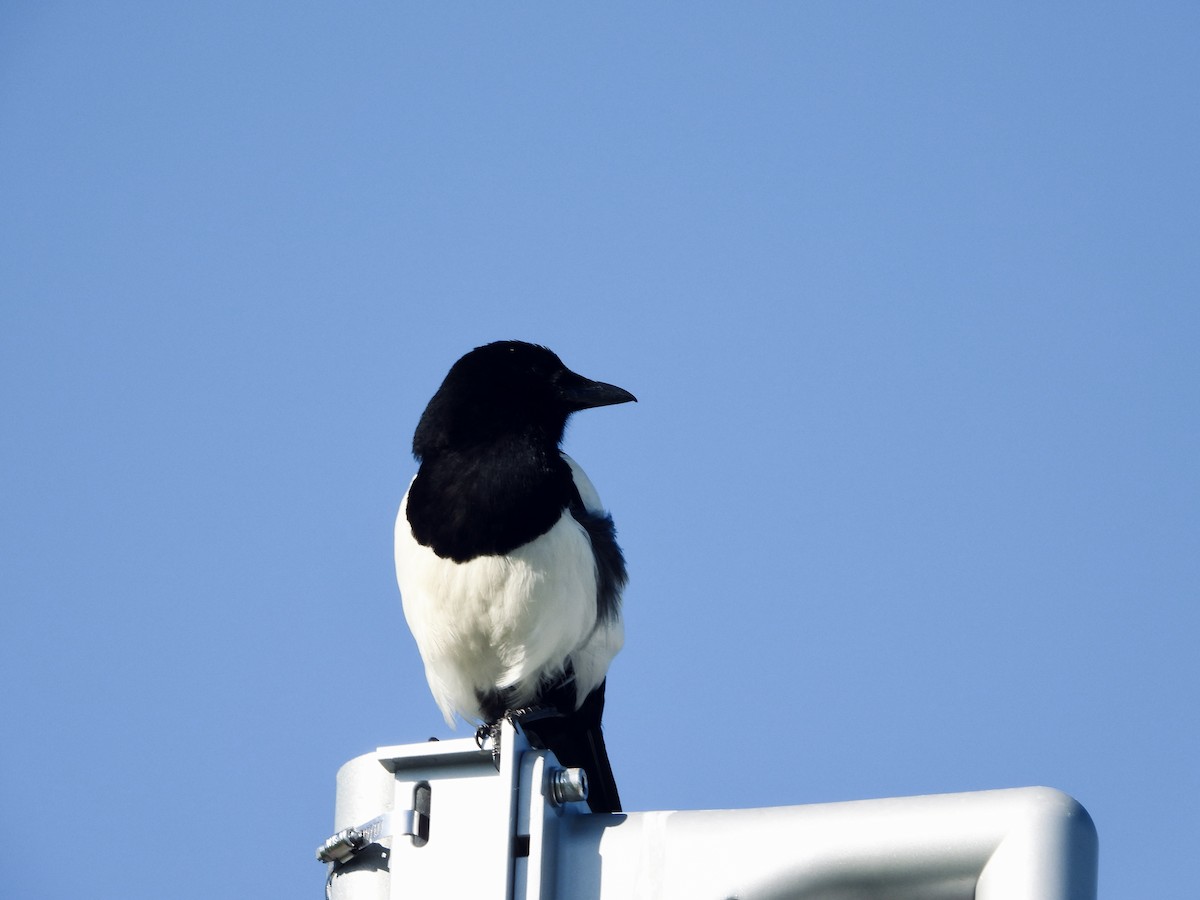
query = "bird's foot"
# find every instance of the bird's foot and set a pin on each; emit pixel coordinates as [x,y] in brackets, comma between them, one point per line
[534,722]
[490,734]
[517,716]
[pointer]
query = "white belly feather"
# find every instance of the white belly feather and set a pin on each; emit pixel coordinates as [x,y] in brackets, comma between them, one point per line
[509,621]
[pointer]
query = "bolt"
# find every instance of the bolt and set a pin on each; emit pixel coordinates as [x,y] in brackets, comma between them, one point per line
[568,786]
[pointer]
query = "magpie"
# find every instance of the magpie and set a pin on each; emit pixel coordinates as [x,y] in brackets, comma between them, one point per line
[508,565]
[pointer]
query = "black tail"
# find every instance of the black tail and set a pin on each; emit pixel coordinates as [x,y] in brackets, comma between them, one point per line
[578,741]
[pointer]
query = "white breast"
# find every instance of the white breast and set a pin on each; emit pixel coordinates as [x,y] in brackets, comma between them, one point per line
[506,621]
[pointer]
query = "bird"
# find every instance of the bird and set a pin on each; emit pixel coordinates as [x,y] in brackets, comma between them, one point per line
[509,571]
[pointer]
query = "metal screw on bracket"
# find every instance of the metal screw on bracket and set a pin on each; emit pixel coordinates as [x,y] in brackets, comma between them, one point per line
[568,786]
[341,846]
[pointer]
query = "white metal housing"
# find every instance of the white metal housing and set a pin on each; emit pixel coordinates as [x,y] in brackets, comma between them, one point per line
[499,834]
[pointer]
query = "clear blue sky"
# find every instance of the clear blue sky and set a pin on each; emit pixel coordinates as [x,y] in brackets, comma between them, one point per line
[909,296]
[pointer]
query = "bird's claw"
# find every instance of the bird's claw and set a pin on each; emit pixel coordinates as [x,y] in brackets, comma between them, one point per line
[517,716]
[490,733]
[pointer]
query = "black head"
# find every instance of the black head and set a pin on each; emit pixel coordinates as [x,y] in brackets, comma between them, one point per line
[507,388]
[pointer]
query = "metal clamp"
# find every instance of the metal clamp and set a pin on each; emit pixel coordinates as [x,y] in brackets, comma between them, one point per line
[342,847]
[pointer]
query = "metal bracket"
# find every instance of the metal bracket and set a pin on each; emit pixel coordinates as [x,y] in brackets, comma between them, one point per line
[341,847]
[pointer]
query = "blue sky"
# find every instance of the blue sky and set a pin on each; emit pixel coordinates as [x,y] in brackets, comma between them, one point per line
[911,498]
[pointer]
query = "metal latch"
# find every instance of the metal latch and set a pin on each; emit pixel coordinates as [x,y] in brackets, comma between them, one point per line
[342,846]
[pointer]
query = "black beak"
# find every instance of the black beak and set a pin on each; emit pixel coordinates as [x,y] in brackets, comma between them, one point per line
[578,392]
